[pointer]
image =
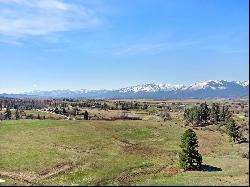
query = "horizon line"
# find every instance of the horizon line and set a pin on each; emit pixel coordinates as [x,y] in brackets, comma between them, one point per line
[139,84]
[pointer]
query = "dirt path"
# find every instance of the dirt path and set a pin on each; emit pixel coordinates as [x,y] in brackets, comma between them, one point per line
[127,176]
[19,177]
[32,179]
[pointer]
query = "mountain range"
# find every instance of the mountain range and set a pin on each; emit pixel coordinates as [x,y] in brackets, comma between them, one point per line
[202,89]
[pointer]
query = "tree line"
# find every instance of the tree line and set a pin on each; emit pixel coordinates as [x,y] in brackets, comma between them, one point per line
[216,114]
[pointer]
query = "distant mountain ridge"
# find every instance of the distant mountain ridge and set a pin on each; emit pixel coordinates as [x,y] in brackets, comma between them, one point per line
[202,89]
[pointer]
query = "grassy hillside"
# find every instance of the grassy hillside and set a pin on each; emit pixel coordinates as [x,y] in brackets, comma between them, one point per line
[113,153]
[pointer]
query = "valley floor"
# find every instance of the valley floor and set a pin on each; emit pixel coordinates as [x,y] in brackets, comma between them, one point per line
[96,152]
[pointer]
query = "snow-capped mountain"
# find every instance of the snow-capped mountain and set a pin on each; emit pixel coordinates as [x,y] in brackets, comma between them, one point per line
[202,89]
[216,85]
[151,88]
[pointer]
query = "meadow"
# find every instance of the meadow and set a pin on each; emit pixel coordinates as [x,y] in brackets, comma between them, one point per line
[121,152]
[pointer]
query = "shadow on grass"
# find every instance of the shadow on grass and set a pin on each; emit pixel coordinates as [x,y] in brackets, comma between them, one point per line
[209,168]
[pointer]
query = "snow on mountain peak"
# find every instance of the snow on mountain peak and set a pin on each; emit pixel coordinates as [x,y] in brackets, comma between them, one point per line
[217,86]
[207,84]
[244,83]
[151,87]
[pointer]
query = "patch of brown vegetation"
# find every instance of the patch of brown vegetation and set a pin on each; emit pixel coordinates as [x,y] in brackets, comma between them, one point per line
[31,179]
[58,169]
[127,177]
[171,171]
[122,142]
[136,148]
[27,179]
[73,149]
[140,149]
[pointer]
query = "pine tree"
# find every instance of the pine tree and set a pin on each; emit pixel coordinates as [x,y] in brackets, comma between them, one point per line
[64,112]
[196,115]
[56,110]
[116,106]
[215,113]
[86,115]
[145,106]
[204,111]
[192,115]
[225,114]
[105,106]
[232,129]
[186,114]
[17,114]
[189,157]
[228,114]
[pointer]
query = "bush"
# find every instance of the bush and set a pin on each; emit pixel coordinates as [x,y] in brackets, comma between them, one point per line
[245,155]
[30,116]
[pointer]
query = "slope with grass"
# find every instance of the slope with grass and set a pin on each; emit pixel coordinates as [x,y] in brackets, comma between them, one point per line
[99,152]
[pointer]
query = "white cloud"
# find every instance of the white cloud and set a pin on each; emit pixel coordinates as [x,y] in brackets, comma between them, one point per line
[20,18]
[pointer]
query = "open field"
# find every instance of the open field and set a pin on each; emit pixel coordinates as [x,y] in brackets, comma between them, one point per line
[97,152]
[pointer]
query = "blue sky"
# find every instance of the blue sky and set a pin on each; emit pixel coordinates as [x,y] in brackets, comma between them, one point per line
[97,44]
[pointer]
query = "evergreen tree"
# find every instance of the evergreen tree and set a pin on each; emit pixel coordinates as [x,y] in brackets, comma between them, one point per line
[145,106]
[189,157]
[192,115]
[18,116]
[228,114]
[64,112]
[7,114]
[57,110]
[74,111]
[116,106]
[105,106]
[196,115]
[86,115]
[204,112]
[225,114]
[215,113]
[186,113]
[232,129]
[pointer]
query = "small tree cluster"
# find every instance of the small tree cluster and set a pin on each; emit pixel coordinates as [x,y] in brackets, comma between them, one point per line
[192,115]
[203,114]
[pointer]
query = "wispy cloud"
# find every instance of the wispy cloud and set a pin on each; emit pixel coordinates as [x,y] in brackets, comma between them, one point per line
[152,48]
[22,18]
[10,42]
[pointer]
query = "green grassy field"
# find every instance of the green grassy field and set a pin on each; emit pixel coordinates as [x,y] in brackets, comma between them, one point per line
[44,152]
